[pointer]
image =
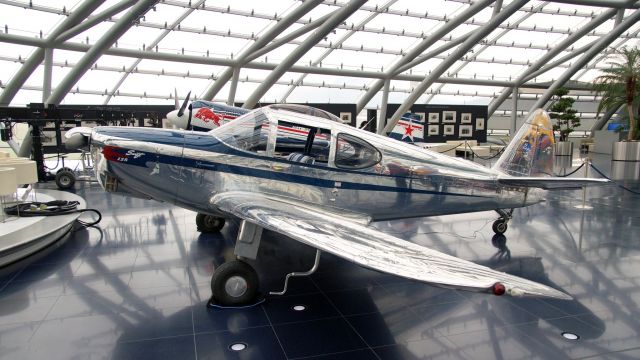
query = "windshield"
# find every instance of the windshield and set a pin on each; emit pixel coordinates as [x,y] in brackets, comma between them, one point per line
[249,132]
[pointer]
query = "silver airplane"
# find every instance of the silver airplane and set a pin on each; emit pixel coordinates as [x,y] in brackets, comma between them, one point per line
[326,193]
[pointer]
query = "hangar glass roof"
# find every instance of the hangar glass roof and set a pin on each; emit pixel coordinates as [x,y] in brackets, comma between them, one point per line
[369,42]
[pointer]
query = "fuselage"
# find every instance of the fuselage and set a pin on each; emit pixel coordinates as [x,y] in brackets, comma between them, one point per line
[189,168]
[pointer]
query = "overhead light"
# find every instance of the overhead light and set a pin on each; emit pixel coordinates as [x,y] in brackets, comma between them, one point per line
[299,308]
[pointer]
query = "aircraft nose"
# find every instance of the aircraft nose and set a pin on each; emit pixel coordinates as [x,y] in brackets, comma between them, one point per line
[179,122]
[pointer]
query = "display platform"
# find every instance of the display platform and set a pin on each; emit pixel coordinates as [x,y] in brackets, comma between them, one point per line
[22,236]
[138,288]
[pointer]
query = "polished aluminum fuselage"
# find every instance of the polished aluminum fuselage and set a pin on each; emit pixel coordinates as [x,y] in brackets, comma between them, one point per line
[189,168]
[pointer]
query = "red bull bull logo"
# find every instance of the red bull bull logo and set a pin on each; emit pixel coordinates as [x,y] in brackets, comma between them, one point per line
[206,115]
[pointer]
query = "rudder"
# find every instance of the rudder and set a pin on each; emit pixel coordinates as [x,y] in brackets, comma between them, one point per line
[530,152]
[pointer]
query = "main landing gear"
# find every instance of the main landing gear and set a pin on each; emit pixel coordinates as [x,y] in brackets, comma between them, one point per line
[208,223]
[236,283]
[500,225]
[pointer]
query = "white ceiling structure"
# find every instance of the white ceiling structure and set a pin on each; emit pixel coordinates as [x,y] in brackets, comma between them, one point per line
[364,52]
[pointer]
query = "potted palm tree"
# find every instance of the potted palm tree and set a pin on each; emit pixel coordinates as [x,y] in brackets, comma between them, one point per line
[566,120]
[619,86]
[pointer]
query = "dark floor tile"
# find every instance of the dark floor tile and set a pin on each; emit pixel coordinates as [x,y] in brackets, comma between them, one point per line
[209,319]
[380,329]
[364,354]
[179,347]
[23,309]
[360,301]
[156,323]
[281,309]
[319,337]
[429,348]
[260,342]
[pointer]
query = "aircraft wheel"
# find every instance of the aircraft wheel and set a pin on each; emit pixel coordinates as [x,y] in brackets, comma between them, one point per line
[234,283]
[500,226]
[209,223]
[65,179]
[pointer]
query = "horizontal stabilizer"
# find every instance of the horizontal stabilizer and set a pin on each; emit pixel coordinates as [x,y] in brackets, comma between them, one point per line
[552,183]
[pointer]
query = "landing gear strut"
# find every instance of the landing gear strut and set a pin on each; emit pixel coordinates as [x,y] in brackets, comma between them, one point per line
[500,226]
[209,223]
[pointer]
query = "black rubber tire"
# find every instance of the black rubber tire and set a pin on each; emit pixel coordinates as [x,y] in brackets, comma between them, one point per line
[209,223]
[65,179]
[500,226]
[226,271]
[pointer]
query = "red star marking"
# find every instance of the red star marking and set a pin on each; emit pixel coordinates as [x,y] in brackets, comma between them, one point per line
[408,131]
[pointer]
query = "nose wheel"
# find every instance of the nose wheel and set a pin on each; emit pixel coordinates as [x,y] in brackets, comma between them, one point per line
[234,283]
[208,223]
[500,226]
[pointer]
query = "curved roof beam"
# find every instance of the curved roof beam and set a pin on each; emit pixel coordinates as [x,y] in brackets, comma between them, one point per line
[18,80]
[105,42]
[336,18]
[568,41]
[483,48]
[153,44]
[420,48]
[262,41]
[193,59]
[460,51]
[626,4]
[600,45]
[319,59]
[94,20]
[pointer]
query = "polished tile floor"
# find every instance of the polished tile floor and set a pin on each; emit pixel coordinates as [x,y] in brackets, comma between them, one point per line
[138,286]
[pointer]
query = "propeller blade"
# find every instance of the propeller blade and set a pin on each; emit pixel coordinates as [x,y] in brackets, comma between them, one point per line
[184,104]
[175,97]
[189,118]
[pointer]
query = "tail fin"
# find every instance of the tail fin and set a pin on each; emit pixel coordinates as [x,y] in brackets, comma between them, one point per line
[530,152]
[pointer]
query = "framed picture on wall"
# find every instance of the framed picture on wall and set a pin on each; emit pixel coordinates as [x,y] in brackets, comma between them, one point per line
[479,123]
[434,130]
[449,130]
[465,131]
[434,118]
[449,117]
[420,115]
[345,117]
[465,118]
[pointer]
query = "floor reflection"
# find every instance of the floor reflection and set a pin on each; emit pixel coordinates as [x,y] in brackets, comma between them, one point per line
[138,288]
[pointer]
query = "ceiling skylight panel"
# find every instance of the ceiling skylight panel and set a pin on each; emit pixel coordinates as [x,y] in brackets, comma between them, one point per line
[201,19]
[161,13]
[27,22]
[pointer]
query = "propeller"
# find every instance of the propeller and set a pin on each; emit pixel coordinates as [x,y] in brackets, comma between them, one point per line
[184,105]
[175,98]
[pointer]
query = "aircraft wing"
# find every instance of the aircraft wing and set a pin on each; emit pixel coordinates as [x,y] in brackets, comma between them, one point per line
[371,248]
[552,183]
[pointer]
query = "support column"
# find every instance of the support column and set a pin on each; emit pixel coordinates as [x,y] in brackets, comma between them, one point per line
[587,56]
[29,66]
[420,48]
[105,42]
[336,18]
[234,86]
[451,59]
[263,40]
[382,119]
[514,112]
[48,71]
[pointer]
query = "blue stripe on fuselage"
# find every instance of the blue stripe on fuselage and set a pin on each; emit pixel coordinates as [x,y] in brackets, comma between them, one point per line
[210,144]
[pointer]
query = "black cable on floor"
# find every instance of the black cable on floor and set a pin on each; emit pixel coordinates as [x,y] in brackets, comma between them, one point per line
[571,173]
[51,208]
[608,178]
